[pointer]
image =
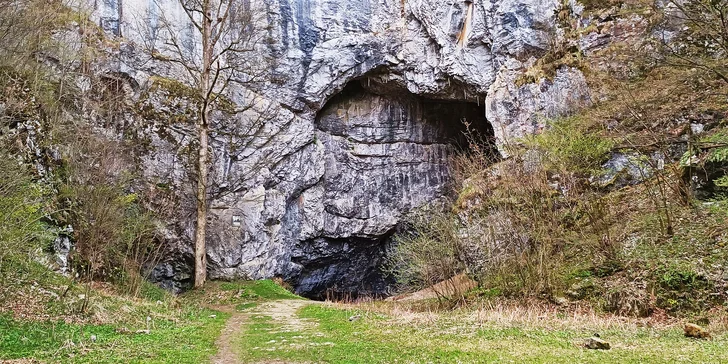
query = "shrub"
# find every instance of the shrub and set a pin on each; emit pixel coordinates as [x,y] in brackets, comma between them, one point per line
[21,209]
[428,250]
[23,234]
[114,235]
[568,146]
[702,43]
[518,226]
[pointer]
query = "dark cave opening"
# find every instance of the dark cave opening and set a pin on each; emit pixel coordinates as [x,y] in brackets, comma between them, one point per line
[388,152]
[447,120]
[343,269]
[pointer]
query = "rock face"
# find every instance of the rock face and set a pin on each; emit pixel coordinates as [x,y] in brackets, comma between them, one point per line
[384,155]
[367,101]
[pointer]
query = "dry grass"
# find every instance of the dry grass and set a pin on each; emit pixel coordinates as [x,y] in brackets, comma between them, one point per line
[495,331]
[535,314]
[454,287]
[95,303]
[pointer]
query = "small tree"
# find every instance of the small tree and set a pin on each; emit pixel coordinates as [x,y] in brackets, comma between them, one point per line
[221,51]
[702,42]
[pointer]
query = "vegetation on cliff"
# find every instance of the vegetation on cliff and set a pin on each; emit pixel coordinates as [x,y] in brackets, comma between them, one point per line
[621,204]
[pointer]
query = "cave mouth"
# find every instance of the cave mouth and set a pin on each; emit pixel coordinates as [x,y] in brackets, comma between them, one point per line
[387,152]
[350,269]
[450,121]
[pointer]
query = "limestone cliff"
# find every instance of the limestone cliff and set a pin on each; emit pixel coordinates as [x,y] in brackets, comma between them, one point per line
[369,99]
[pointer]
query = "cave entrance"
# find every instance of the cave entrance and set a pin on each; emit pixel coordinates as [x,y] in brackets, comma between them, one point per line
[399,115]
[387,152]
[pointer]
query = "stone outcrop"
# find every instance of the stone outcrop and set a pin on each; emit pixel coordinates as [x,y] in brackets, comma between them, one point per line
[352,128]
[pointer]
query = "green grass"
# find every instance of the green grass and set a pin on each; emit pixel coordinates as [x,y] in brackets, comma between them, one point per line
[245,306]
[332,338]
[264,289]
[190,340]
[182,331]
[238,292]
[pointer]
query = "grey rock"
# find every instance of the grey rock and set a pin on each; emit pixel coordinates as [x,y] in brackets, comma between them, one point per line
[625,169]
[62,247]
[368,99]
[596,343]
[516,111]
[697,128]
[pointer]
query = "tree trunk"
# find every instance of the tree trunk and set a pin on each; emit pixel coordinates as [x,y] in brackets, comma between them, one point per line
[200,245]
[202,135]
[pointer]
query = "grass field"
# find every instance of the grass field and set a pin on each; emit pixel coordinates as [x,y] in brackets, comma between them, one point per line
[277,326]
[189,338]
[328,336]
[112,330]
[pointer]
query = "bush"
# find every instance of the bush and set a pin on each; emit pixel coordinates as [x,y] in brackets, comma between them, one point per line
[705,165]
[568,146]
[21,209]
[91,188]
[519,226]
[115,237]
[428,251]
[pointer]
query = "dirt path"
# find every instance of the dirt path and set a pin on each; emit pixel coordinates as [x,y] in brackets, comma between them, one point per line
[283,311]
[226,352]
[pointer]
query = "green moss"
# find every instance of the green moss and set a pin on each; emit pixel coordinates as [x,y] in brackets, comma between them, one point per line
[597,5]
[181,102]
[174,88]
[224,104]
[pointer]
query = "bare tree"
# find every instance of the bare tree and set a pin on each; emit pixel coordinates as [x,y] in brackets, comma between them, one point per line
[703,39]
[215,44]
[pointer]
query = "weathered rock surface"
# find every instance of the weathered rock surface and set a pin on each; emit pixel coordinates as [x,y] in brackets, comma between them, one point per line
[625,169]
[517,111]
[313,193]
[596,343]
